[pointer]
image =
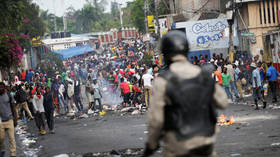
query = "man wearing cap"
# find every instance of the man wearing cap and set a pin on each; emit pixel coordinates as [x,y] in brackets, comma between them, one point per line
[272,75]
[257,86]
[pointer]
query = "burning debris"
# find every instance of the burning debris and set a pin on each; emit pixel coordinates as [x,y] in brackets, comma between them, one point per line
[223,120]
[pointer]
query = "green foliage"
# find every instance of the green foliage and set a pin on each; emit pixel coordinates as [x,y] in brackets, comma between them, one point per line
[50,63]
[92,18]
[19,22]
[147,59]
[137,11]
[115,12]
[137,14]
[13,13]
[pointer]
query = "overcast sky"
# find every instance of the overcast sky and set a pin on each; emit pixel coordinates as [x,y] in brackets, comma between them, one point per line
[59,6]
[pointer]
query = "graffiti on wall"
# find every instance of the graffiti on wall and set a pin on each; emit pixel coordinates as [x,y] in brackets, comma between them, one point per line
[206,34]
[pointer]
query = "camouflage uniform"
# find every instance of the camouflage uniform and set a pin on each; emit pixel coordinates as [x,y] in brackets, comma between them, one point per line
[173,146]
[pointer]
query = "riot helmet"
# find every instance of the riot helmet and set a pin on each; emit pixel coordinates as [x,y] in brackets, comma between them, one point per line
[174,43]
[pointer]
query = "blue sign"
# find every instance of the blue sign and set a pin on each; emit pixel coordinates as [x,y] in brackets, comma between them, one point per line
[206,34]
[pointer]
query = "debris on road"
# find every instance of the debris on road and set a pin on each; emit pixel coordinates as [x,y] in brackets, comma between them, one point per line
[135,112]
[235,154]
[275,144]
[28,141]
[70,114]
[90,111]
[274,106]
[84,116]
[62,155]
[102,113]
[114,152]
[127,109]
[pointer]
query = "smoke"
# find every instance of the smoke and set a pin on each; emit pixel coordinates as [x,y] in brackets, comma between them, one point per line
[110,98]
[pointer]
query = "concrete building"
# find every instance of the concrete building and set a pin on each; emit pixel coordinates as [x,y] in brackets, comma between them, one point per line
[191,8]
[114,35]
[65,43]
[256,21]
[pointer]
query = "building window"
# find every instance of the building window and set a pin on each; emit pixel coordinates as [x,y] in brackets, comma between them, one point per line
[260,11]
[273,10]
[264,13]
[277,10]
[268,11]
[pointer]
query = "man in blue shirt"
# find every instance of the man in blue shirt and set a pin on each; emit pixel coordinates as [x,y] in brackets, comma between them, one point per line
[272,75]
[29,76]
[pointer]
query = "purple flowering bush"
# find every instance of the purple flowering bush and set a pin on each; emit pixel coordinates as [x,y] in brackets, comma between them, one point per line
[11,49]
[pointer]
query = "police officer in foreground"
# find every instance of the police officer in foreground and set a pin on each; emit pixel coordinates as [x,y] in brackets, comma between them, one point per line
[183,107]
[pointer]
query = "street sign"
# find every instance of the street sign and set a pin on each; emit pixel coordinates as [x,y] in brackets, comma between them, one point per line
[151,23]
[36,41]
[248,34]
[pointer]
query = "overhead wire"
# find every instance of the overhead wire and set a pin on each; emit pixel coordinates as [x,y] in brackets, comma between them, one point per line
[189,11]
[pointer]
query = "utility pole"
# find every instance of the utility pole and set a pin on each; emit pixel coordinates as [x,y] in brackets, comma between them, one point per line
[54,16]
[54,23]
[65,23]
[146,9]
[146,14]
[171,4]
[157,21]
[121,15]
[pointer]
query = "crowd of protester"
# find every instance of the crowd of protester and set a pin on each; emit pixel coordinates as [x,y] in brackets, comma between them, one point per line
[119,70]
[242,75]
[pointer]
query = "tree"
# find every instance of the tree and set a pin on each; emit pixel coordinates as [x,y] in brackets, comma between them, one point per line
[115,11]
[19,22]
[21,16]
[148,59]
[51,63]
[137,14]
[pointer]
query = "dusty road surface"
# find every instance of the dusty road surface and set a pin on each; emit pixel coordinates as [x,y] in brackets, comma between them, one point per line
[256,133]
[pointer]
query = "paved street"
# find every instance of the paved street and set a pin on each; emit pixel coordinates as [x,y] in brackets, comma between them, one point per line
[251,136]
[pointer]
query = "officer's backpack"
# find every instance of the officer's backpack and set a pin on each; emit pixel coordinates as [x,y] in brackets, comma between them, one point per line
[190,112]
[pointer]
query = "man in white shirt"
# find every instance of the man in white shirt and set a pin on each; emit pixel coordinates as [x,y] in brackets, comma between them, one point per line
[147,83]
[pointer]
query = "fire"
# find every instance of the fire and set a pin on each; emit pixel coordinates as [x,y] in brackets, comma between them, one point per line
[224,121]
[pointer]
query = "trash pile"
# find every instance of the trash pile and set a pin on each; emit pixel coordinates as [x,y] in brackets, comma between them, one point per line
[132,111]
[107,109]
[274,106]
[114,153]
[28,143]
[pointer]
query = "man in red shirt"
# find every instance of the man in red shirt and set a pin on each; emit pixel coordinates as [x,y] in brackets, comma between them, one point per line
[218,76]
[136,93]
[22,75]
[125,91]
